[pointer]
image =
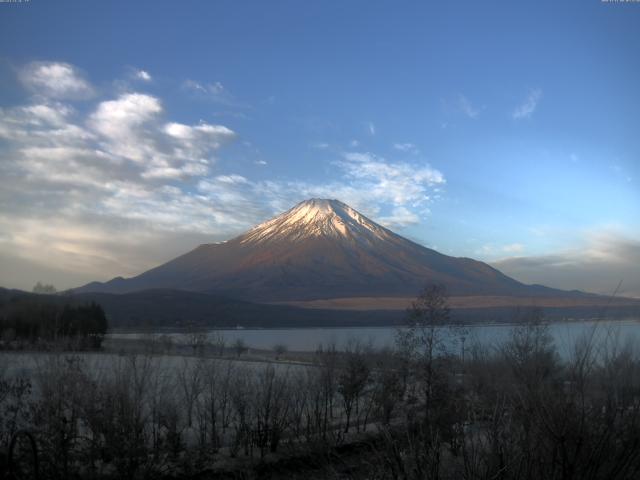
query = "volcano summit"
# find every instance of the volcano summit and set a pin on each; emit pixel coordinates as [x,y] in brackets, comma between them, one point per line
[321,249]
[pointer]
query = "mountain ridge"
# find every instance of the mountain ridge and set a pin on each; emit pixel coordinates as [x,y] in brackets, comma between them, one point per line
[321,249]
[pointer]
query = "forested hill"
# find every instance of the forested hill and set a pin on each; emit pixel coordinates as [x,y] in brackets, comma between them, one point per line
[33,318]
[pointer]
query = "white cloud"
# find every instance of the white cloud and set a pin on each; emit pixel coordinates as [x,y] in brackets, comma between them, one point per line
[142,75]
[459,105]
[214,89]
[114,118]
[513,248]
[529,105]
[194,143]
[122,122]
[398,183]
[372,129]
[55,80]
[43,114]
[131,128]
[604,259]
[215,92]
[465,106]
[395,194]
[41,124]
[400,217]
[406,147]
[492,250]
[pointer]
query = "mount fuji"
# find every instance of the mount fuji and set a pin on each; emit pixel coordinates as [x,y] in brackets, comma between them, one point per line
[318,250]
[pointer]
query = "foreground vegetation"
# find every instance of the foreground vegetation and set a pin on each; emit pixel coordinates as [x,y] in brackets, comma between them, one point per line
[423,410]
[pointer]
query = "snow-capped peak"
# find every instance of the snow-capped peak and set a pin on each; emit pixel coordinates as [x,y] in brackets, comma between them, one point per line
[316,218]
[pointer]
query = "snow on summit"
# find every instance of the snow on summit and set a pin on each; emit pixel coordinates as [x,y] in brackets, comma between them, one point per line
[317,218]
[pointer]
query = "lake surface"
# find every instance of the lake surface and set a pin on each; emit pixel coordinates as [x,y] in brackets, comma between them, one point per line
[565,335]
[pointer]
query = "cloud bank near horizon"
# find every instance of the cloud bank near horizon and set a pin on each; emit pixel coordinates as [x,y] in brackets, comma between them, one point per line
[606,259]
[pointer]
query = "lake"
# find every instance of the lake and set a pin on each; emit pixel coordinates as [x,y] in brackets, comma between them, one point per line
[565,334]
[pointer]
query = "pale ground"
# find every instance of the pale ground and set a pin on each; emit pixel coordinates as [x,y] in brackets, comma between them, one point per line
[401,303]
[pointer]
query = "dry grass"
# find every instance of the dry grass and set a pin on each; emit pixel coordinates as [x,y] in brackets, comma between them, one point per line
[401,303]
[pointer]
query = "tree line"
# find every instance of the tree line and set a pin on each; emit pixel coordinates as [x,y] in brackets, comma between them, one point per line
[41,319]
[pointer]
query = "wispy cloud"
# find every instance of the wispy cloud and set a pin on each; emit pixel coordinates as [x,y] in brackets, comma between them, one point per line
[529,105]
[604,259]
[213,89]
[398,183]
[492,250]
[372,129]
[621,172]
[513,248]
[465,106]
[57,80]
[214,92]
[395,194]
[400,217]
[142,75]
[406,147]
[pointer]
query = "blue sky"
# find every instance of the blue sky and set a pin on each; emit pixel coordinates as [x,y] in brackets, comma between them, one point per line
[503,131]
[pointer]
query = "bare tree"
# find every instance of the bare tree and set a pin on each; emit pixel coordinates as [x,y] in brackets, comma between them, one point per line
[271,408]
[14,411]
[44,288]
[190,382]
[299,402]
[326,388]
[352,379]
[279,349]
[219,343]
[166,341]
[58,414]
[241,396]
[388,387]
[198,342]
[240,347]
[530,350]
[426,339]
[213,405]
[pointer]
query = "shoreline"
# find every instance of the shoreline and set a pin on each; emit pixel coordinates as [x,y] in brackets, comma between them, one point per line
[175,330]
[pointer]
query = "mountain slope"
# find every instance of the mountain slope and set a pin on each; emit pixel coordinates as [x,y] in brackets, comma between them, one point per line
[320,249]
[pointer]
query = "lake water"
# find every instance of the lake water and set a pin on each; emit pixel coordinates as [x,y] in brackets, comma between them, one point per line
[565,335]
